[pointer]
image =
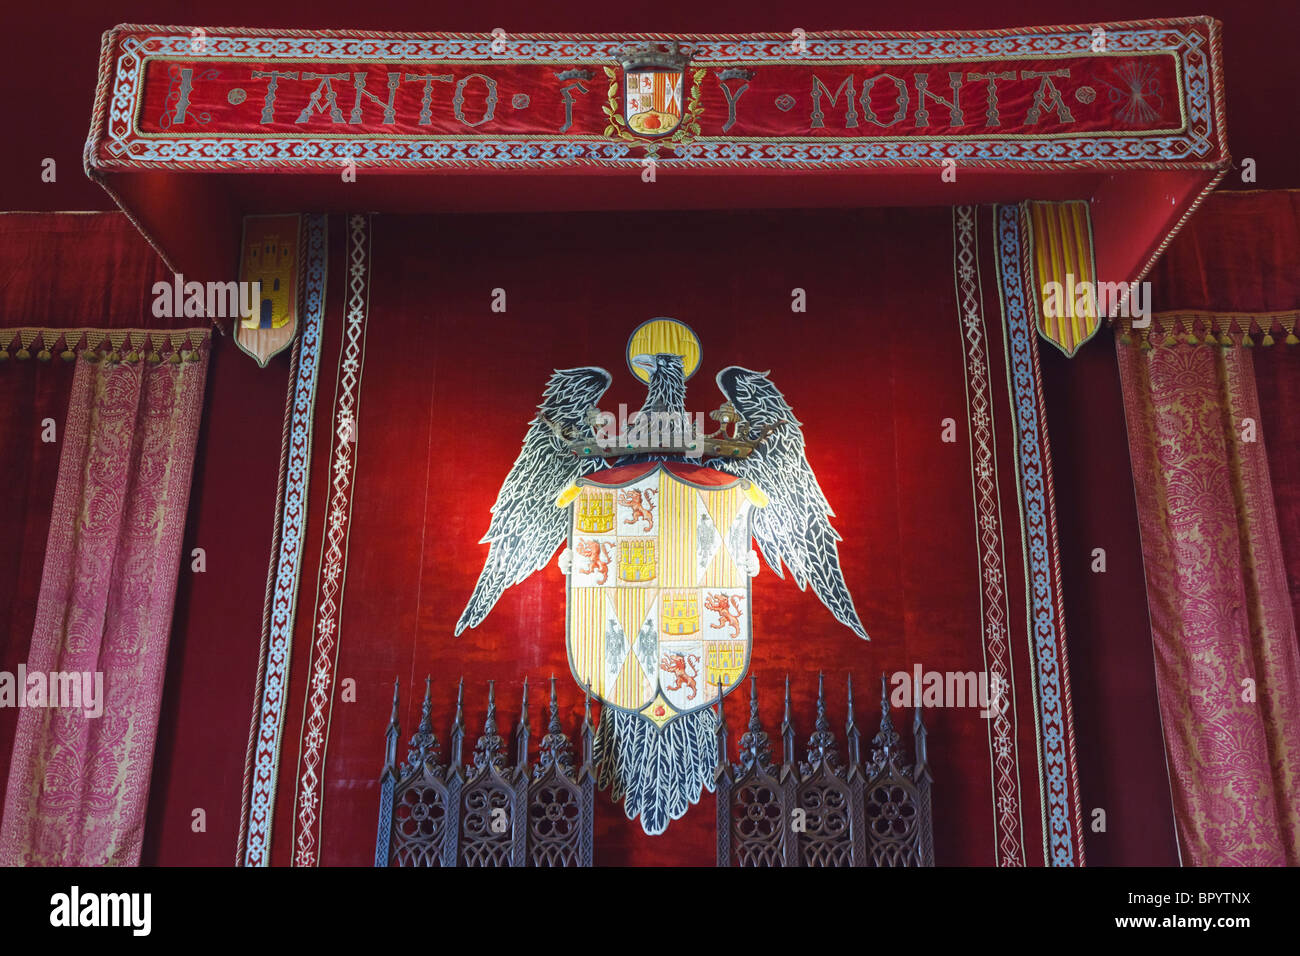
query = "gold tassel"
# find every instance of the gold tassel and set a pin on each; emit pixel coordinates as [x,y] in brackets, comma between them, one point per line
[1289,328]
[1225,340]
[1268,336]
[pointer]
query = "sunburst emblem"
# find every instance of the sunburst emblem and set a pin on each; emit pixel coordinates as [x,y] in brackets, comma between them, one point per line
[1138,94]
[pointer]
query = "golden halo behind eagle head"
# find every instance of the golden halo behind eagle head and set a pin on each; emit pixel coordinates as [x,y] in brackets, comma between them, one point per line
[664,335]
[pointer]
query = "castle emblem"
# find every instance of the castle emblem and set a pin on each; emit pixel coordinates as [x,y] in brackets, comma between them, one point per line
[269,258]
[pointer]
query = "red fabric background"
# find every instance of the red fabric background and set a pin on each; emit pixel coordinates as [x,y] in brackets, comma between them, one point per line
[217,626]
[755,113]
[210,683]
[1238,253]
[448,389]
[77,270]
[204,758]
[1112,669]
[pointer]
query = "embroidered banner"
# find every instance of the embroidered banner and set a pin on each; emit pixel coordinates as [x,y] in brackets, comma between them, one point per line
[1105,96]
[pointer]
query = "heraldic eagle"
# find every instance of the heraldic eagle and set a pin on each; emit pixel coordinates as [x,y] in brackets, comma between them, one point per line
[659,769]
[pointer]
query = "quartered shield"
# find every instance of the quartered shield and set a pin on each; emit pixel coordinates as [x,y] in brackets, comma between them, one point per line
[652,100]
[658,594]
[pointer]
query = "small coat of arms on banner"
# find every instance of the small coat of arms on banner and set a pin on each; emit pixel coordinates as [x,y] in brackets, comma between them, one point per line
[269,258]
[655,100]
[659,512]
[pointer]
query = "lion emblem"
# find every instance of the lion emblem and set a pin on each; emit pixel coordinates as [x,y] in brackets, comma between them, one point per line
[596,554]
[642,510]
[675,665]
[728,612]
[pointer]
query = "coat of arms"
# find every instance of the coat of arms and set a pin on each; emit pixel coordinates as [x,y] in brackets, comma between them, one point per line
[652,89]
[658,596]
[658,514]
[656,102]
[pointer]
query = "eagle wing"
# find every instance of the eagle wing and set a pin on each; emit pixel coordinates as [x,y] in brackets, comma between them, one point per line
[795,527]
[526,527]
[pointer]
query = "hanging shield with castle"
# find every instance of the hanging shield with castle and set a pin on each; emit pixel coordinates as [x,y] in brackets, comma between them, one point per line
[269,262]
[653,83]
[659,593]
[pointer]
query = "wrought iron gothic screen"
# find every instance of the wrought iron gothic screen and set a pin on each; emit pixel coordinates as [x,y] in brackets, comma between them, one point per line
[486,813]
[824,811]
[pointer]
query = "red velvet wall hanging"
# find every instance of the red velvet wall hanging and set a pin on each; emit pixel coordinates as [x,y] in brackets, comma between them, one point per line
[438,388]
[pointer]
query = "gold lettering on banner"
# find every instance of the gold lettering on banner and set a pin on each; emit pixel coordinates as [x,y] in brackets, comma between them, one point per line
[863,98]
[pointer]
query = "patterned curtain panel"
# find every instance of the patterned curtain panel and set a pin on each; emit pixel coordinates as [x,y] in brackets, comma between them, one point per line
[1227,665]
[79,775]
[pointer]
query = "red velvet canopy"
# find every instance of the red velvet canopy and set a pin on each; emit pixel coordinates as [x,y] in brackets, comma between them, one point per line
[1137,126]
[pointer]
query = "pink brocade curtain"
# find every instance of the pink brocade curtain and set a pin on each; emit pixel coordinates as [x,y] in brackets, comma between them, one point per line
[78,784]
[1220,610]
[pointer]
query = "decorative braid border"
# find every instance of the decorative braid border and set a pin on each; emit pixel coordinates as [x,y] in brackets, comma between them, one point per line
[1225,329]
[1062,823]
[292,520]
[990,543]
[327,629]
[107,345]
[269,601]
